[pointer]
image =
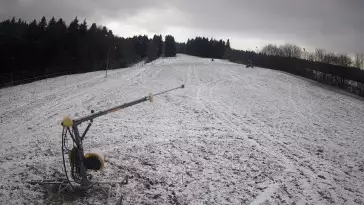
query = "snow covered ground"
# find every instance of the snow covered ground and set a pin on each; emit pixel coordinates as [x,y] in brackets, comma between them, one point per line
[234,135]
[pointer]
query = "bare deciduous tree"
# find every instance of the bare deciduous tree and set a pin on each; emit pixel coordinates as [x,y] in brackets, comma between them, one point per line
[359,60]
[330,58]
[344,60]
[311,57]
[272,50]
[320,55]
[290,50]
[336,59]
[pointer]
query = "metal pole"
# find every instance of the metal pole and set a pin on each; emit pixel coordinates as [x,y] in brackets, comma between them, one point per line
[108,56]
[120,107]
[182,86]
[107,64]
[78,140]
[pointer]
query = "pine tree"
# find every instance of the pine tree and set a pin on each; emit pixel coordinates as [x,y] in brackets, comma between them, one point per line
[228,44]
[158,41]
[83,27]
[152,52]
[42,24]
[73,27]
[160,45]
[170,46]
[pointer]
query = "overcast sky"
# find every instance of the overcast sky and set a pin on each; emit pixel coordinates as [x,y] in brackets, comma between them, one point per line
[335,25]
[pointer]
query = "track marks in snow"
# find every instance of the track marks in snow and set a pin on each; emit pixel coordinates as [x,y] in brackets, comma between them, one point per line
[287,156]
[234,135]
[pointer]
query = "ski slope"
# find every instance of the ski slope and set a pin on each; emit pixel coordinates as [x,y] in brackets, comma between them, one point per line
[234,135]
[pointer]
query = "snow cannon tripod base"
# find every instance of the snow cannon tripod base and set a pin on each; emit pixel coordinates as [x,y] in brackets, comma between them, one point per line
[249,64]
[78,161]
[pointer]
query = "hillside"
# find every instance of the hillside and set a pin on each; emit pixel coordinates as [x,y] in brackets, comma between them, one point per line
[234,135]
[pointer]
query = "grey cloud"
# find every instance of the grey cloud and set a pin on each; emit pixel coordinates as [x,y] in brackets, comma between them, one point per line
[68,9]
[332,24]
[335,25]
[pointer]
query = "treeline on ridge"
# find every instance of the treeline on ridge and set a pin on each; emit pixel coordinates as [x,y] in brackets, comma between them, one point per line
[203,47]
[46,47]
[337,69]
[293,59]
[49,47]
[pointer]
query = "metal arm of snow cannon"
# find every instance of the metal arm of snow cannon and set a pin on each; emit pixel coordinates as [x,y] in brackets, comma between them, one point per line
[78,139]
[120,107]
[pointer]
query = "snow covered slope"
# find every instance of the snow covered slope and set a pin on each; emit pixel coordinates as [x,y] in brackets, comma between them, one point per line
[234,135]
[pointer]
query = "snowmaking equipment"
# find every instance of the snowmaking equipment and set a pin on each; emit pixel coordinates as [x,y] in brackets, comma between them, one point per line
[249,64]
[74,157]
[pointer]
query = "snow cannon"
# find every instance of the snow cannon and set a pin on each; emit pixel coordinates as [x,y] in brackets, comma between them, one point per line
[249,64]
[73,151]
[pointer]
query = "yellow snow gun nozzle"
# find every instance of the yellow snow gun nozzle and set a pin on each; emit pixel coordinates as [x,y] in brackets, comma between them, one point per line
[67,122]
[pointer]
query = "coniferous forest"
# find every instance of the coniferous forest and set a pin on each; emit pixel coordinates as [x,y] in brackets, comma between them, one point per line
[203,47]
[40,48]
